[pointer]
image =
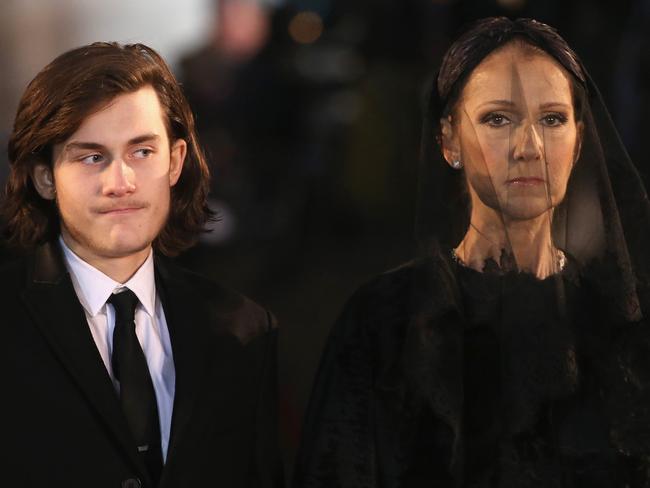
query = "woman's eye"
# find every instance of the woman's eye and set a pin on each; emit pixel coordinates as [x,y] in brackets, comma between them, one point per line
[552,120]
[496,120]
[92,159]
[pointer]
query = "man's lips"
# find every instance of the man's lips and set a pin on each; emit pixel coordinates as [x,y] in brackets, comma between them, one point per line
[120,210]
[525,181]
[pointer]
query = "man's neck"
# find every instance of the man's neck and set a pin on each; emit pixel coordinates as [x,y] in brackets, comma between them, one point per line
[118,268]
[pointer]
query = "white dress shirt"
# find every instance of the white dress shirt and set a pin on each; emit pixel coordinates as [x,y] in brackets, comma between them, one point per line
[93,288]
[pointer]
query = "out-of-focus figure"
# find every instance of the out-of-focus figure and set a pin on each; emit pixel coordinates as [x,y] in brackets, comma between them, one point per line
[243,93]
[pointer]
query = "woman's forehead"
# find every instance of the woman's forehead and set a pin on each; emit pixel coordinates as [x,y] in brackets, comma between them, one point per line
[519,74]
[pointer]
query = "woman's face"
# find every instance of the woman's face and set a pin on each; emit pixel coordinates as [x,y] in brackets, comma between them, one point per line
[515,132]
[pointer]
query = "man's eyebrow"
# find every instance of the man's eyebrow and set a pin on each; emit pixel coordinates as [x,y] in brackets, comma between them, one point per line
[83,145]
[144,138]
[99,147]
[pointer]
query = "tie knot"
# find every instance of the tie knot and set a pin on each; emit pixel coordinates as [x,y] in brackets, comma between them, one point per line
[124,303]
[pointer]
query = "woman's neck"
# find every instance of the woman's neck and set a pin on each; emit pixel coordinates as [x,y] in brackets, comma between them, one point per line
[529,242]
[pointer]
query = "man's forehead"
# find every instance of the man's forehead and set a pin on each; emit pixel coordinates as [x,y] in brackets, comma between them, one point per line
[122,119]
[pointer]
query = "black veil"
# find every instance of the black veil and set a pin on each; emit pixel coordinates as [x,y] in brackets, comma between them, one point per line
[602,227]
[603,222]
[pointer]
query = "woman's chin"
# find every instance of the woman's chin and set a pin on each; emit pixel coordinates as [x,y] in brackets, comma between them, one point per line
[529,209]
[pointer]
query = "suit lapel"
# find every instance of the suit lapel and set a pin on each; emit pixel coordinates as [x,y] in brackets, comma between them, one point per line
[206,355]
[53,304]
[182,314]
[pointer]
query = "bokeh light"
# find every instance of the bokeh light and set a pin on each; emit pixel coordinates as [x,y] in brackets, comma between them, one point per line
[306,27]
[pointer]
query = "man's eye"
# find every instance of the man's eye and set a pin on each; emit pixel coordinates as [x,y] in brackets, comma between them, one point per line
[93,159]
[143,152]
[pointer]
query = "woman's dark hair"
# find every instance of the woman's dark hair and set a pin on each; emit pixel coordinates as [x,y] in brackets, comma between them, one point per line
[486,36]
[69,89]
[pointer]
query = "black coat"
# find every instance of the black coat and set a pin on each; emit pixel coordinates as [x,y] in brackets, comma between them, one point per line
[401,382]
[61,420]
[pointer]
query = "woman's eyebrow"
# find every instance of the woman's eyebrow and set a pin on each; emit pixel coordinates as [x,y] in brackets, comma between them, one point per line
[547,105]
[501,102]
[510,103]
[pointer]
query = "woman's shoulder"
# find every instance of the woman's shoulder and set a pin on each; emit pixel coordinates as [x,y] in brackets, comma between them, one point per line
[393,298]
[407,277]
[391,284]
[393,287]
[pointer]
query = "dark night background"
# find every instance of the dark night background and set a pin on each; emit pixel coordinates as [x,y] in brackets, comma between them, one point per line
[310,113]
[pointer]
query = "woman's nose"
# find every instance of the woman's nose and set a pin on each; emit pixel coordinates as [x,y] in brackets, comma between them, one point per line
[119,179]
[528,145]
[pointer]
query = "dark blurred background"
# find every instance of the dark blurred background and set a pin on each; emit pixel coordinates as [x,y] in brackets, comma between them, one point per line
[310,113]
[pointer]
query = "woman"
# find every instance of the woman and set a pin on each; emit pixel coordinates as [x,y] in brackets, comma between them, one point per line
[513,351]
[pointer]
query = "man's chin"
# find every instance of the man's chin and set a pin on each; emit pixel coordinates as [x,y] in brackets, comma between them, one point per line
[114,242]
[116,250]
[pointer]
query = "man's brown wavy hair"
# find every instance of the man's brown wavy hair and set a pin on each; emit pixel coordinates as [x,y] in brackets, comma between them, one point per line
[69,89]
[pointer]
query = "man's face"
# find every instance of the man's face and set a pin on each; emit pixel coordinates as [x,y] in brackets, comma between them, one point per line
[113,177]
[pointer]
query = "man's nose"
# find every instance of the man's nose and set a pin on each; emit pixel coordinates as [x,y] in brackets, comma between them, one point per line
[119,179]
[528,144]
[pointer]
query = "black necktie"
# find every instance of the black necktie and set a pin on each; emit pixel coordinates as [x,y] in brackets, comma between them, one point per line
[137,396]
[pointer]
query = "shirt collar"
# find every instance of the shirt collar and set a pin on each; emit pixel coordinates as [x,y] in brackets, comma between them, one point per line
[93,287]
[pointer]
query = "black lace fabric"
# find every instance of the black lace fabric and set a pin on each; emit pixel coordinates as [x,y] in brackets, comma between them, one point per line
[532,411]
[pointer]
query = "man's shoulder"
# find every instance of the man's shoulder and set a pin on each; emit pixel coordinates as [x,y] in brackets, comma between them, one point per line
[241,316]
[13,273]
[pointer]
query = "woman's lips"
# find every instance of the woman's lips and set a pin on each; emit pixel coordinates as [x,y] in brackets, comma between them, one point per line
[525,181]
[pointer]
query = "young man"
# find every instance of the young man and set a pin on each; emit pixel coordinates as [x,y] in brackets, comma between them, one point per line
[119,369]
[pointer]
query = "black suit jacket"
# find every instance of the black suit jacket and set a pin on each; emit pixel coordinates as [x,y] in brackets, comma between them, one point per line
[61,421]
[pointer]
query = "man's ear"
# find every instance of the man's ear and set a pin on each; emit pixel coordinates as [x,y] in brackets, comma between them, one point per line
[177,159]
[449,141]
[43,179]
